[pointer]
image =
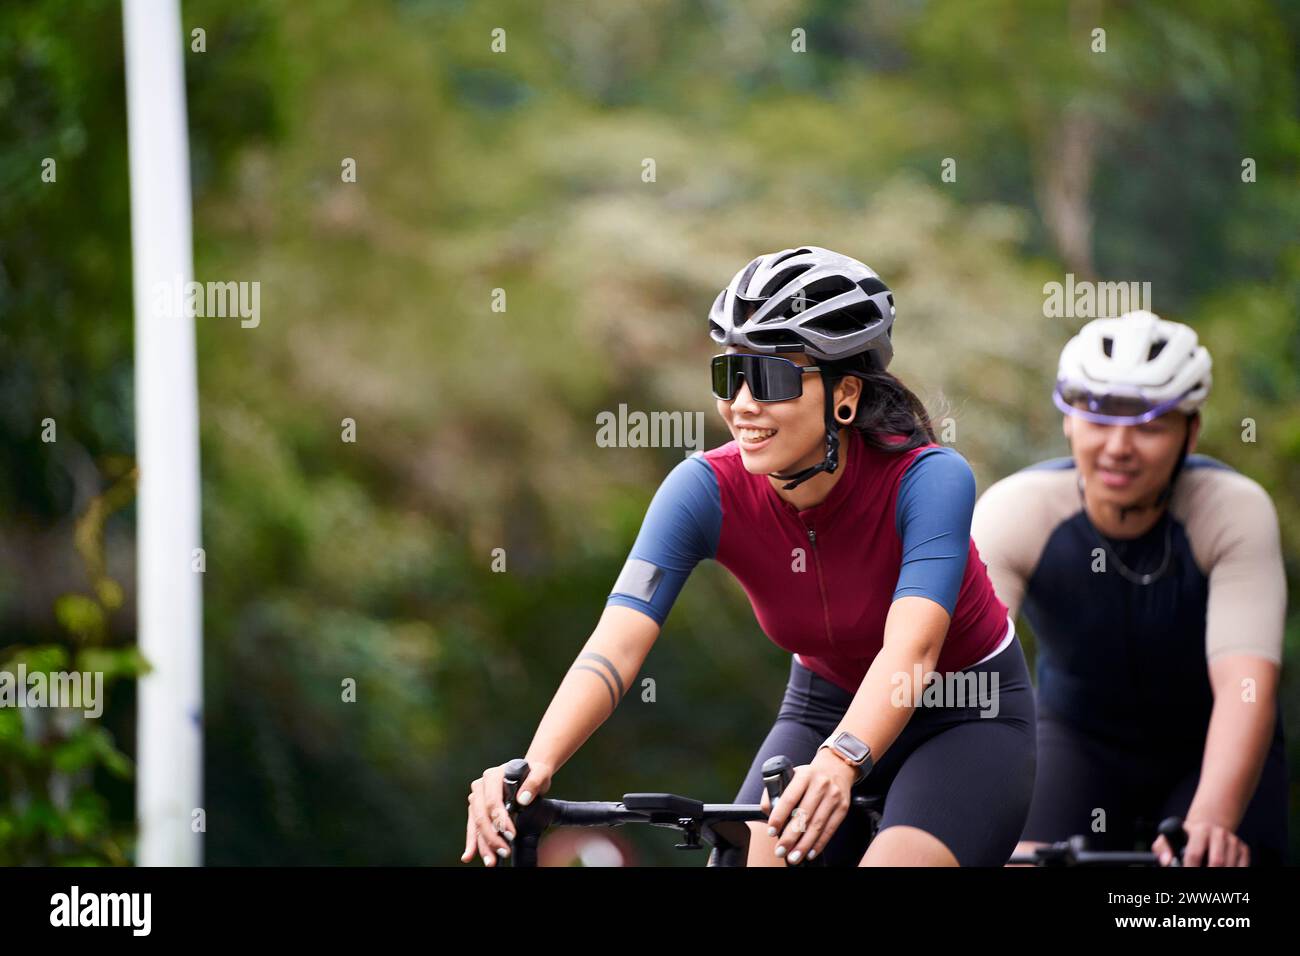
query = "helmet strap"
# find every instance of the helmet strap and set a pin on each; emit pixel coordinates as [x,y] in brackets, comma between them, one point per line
[832,459]
[1178,467]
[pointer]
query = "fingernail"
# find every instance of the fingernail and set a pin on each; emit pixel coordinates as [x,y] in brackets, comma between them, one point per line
[780,851]
[771,831]
[502,852]
[794,857]
[509,836]
[525,797]
[811,854]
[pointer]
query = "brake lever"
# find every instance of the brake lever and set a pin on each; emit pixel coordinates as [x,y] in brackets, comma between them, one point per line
[1171,828]
[777,773]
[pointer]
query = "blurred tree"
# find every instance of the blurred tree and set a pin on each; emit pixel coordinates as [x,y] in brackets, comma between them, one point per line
[67,579]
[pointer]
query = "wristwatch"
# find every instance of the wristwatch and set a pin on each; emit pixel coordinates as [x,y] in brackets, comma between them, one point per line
[852,751]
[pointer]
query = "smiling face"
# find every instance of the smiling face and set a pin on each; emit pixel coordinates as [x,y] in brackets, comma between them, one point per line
[1126,465]
[783,436]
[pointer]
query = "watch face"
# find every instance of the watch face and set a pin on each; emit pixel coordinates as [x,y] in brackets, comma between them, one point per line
[852,746]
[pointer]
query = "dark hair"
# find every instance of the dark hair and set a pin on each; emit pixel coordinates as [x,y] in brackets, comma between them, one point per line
[886,407]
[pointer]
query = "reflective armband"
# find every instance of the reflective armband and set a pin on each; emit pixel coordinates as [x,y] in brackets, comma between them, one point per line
[639,579]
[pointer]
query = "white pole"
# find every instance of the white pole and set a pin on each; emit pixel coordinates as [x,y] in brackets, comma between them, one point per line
[170,735]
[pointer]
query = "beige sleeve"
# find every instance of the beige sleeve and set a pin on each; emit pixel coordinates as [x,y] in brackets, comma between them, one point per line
[1233,531]
[1012,523]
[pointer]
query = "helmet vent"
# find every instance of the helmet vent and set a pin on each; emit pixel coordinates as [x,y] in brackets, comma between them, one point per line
[789,275]
[789,255]
[745,308]
[1156,348]
[772,339]
[815,293]
[846,321]
[835,325]
[1106,344]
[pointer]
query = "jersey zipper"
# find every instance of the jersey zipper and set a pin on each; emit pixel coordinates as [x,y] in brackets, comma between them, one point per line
[821,584]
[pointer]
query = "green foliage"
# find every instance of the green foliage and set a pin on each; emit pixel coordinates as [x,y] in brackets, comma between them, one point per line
[53,812]
[65,334]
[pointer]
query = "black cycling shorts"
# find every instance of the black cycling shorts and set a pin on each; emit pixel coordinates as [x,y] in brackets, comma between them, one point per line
[1080,774]
[966,779]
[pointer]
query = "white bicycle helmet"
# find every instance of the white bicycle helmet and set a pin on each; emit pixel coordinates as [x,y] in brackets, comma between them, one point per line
[1131,369]
[806,299]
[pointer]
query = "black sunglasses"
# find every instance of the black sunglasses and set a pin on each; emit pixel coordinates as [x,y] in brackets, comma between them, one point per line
[770,377]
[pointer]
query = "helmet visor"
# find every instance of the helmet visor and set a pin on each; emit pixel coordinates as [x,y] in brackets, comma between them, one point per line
[1110,409]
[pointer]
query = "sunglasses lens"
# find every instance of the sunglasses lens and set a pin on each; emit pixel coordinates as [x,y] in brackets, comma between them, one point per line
[775,379]
[770,378]
[726,381]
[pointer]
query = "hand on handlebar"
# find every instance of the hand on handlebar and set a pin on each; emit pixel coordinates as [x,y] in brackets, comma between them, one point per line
[1208,844]
[811,808]
[488,829]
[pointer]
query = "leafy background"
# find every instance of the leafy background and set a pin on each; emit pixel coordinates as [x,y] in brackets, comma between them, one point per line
[475,428]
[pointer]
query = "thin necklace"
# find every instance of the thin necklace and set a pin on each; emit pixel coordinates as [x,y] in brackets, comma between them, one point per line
[1125,572]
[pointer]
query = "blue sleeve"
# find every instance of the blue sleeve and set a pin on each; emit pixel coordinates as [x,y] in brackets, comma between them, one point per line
[936,499]
[681,527]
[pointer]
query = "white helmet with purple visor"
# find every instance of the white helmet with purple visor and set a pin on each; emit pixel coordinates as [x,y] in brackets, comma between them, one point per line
[1132,369]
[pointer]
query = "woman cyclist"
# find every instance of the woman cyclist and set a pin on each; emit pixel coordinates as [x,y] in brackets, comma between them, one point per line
[849,530]
[1154,583]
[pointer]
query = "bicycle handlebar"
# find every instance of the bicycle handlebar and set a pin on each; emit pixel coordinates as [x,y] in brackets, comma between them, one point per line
[1075,852]
[719,825]
[723,826]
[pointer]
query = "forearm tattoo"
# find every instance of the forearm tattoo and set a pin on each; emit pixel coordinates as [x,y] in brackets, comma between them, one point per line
[605,671]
